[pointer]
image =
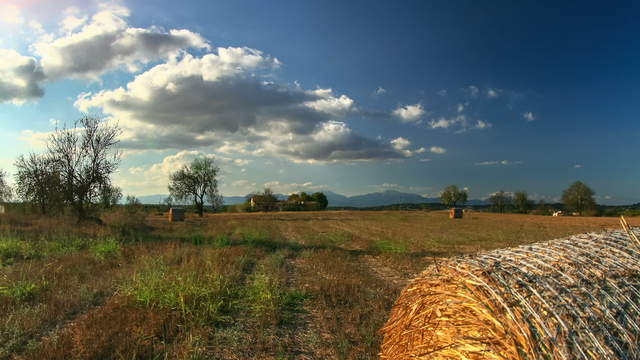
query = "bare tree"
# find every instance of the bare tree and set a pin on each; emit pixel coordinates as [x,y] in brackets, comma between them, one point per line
[85,158]
[521,201]
[198,183]
[500,201]
[38,182]
[5,189]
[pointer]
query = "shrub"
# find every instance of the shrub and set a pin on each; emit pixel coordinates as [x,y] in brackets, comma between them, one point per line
[21,290]
[12,249]
[106,249]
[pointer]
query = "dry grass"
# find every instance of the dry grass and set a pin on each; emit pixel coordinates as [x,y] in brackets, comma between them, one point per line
[230,286]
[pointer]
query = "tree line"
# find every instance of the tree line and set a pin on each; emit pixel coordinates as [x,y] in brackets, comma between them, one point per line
[577,198]
[74,173]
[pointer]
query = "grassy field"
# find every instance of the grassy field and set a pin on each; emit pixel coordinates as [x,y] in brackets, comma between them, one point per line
[230,286]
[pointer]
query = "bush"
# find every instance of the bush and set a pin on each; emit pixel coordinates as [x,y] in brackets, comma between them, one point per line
[106,249]
[21,290]
[12,249]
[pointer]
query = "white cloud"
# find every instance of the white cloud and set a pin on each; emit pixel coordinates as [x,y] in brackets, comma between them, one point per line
[424,160]
[380,91]
[482,124]
[437,150]
[400,143]
[20,77]
[107,42]
[499,162]
[460,108]
[409,113]
[528,116]
[220,99]
[577,166]
[492,93]
[442,92]
[11,14]
[444,123]
[460,121]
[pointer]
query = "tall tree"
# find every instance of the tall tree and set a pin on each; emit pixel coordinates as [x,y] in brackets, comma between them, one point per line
[578,198]
[321,199]
[500,201]
[197,182]
[451,195]
[85,157]
[38,182]
[521,202]
[5,189]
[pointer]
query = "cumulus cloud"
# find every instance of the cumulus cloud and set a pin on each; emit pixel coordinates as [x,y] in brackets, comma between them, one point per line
[492,93]
[461,122]
[379,91]
[106,42]
[437,150]
[499,162]
[20,77]
[409,113]
[528,116]
[222,99]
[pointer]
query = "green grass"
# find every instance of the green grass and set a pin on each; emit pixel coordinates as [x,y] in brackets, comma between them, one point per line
[12,249]
[387,245]
[201,297]
[106,249]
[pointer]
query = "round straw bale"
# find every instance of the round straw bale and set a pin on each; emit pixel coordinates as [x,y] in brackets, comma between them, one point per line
[571,298]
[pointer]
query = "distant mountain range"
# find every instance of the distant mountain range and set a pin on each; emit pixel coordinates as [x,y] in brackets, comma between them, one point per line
[389,197]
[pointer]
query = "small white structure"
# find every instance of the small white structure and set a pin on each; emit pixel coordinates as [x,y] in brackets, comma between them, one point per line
[558,213]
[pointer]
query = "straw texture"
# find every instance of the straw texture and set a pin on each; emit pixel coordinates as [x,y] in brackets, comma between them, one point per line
[571,298]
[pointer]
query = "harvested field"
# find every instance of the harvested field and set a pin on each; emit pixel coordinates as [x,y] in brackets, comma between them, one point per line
[311,285]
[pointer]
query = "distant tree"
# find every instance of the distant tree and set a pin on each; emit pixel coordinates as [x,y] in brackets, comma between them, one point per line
[109,195]
[5,189]
[321,199]
[521,202]
[500,201]
[38,182]
[197,182]
[452,195]
[578,198]
[85,157]
[264,201]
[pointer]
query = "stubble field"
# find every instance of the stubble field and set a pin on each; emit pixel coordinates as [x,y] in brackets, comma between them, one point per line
[307,285]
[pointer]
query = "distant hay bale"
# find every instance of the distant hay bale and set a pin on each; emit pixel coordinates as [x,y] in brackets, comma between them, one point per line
[455,213]
[571,298]
[176,214]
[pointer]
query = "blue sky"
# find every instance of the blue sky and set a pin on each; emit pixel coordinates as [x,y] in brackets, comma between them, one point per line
[353,97]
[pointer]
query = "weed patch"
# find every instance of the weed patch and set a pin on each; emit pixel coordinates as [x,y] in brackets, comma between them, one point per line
[107,249]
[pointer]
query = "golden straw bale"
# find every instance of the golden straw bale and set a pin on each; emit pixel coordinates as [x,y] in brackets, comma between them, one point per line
[571,298]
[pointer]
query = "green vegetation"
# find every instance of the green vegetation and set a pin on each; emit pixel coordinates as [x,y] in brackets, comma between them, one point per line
[452,196]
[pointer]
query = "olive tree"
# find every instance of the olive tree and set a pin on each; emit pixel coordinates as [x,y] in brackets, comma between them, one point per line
[38,182]
[85,157]
[451,195]
[198,183]
[579,197]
